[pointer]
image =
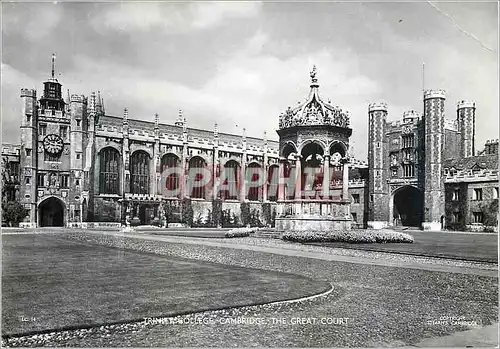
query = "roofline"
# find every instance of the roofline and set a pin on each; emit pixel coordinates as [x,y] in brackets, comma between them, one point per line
[189,128]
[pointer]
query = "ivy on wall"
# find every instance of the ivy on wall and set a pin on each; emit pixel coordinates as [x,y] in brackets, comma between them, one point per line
[216,214]
[245,213]
[187,212]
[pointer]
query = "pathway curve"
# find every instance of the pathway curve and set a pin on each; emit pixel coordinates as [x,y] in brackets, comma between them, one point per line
[390,260]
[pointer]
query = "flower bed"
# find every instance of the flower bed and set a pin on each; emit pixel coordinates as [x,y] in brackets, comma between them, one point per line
[350,236]
[240,232]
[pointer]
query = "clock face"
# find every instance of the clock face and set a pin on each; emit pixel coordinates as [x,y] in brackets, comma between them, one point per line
[53,144]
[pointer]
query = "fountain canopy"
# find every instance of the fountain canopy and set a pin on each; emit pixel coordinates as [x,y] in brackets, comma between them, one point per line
[314,111]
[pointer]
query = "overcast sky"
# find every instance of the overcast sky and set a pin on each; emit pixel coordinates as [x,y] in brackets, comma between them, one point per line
[242,63]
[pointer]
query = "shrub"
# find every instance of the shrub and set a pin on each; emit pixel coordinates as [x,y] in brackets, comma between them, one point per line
[229,219]
[240,232]
[245,213]
[13,213]
[267,214]
[350,236]
[198,222]
[187,212]
[255,219]
[217,212]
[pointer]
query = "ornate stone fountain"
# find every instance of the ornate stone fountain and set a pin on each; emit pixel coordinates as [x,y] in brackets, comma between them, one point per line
[314,166]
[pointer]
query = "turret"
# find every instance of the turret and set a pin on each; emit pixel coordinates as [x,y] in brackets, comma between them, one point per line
[29,152]
[434,115]
[410,116]
[52,99]
[466,118]
[126,151]
[377,183]
[78,118]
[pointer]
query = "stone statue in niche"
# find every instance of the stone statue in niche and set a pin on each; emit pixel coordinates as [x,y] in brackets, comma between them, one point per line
[53,180]
[335,159]
[394,159]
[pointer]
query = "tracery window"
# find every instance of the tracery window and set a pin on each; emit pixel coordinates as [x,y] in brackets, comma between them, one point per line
[139,174]
[408,171]
[195,163]
[272,180]
[171,163]
[254,190]
[231,180]
[109,171]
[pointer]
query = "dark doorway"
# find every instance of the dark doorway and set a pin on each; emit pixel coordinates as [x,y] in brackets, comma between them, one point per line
[408,206]
[51,213]
[145,212]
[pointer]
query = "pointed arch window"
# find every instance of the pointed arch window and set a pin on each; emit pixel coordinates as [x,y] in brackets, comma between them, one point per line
[170,163]
[109,171]
[272,180]
[232,171]
[254,191]
[196,163]
[139,174]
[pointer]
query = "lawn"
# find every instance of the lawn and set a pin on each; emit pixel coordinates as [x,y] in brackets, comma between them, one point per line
[50,282]
[386,306]
[474,247]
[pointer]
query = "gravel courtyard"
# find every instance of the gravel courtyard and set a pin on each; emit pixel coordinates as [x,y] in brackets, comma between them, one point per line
[371,305]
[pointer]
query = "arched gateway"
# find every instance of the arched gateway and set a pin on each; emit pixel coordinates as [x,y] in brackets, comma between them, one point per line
[51,212]
[314,166]
[408,206]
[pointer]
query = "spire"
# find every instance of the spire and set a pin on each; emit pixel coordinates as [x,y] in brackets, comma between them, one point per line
[53,64]
[125,116]
[180,119]
[265,138]
[157,120]
[92,105]
[216,130]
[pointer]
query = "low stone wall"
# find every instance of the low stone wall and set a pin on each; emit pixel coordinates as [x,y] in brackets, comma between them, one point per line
[377,224]
[311,223]
[27,225]
[478,227]
[86,225]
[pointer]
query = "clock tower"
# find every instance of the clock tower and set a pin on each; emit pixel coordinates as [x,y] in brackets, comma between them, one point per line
[51,142]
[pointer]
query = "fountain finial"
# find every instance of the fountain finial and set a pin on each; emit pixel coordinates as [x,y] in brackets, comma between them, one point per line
[313,73]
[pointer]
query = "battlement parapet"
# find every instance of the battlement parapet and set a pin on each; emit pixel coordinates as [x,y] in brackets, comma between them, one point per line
[377,106]
[77,98]
[450,125]
[395,124]
[357,182]
[411,115]
[466,104]
[471,176]
[10,149]
[26,92]
[429,94]
[492,141]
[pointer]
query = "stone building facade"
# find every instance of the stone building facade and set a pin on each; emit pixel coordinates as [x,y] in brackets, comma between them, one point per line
[419,164]
[78,166]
